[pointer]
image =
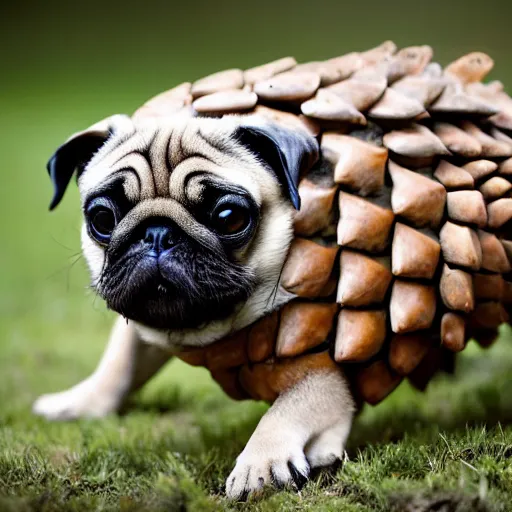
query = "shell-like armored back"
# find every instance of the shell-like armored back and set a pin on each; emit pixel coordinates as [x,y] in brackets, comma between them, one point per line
[403,243]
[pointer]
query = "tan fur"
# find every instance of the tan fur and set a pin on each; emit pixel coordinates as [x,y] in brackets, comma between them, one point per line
[313,418]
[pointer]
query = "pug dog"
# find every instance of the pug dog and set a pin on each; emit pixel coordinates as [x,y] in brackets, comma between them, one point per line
[186,227]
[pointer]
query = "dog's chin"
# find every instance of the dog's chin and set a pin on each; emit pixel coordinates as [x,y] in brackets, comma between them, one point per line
[163,295]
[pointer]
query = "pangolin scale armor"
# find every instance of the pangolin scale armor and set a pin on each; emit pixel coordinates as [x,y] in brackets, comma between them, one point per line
[403,244]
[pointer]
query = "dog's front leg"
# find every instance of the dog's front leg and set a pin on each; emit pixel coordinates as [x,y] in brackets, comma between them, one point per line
[306,427]
[126,365]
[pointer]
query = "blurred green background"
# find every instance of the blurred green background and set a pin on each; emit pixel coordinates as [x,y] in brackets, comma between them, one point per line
[65,65]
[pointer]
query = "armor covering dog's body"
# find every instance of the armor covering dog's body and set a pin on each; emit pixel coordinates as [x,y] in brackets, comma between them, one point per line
[311,233]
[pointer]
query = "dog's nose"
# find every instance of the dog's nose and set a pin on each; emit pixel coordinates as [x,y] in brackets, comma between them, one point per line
[159,238]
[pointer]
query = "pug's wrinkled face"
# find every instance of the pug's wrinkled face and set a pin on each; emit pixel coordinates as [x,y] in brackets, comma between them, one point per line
[186,222]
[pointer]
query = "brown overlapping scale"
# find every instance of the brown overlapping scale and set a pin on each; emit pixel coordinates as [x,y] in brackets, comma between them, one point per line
[453,331]
[499,212]
[407,350]
[453,177]
[460,246]
[358,165]
[316,208]
[167,103]
[395,105]
[495,188]
[494,94]
[347,64]
[286,119]
[455,101]
[381,52]
[363,280]
[230,352]
[221,81]
[266,71]
[409,61]
[261,336]
[416,197]
[416,141]
[431,221]
[472,67]
[230,383]
[425,88]
[266,380]
[308,268]
[412,306]
[457,140]
[438,358]
[480,169]
[288,86]
[363,224]
[414,254]
[360,334]
[303,325]
[225,102]
[488,315]
[329,71]
[494,257]
[456,289]
[360,91]
[491,147]
[488,286]
[467,206]
[376,381]
[328,106]
[507,244]
[500,136]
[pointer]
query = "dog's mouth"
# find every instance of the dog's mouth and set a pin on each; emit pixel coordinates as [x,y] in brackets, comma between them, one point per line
[180,289]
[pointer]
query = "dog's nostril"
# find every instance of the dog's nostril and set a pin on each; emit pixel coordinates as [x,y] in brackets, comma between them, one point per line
[167,242]
[159,238]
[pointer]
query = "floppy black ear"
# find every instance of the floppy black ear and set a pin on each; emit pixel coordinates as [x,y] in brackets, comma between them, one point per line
[287,152]
[77,151]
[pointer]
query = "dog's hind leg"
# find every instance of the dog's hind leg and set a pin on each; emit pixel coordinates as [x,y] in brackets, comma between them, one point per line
[127,364]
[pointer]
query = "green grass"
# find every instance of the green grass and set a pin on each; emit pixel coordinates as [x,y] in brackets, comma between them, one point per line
[175,445]
[446,450]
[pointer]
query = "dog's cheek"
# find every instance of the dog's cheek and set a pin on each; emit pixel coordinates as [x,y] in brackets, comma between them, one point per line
[270,247]
[93,254]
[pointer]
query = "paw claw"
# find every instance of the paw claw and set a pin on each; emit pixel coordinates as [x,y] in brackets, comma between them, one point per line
[299,478]
[255,470]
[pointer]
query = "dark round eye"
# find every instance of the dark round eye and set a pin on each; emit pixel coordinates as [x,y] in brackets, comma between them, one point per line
[102,219]
[229,219]
[233,218]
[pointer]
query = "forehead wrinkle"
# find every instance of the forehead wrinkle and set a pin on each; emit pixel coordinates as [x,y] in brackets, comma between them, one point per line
[222,157]
[113,150]
[182,170]
[215,144]
[142,168]
[159,164]
[223,143]
[98,174]
[131,184]
[128,179]
[175,149]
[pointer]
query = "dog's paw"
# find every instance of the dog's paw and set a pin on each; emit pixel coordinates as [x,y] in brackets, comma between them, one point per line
[81,401]
[260,464]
